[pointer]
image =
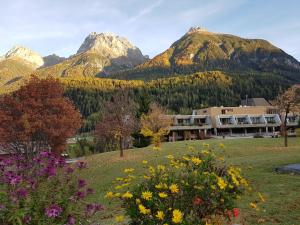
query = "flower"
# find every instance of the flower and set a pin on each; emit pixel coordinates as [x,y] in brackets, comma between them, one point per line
[144,210]
[109,194]
[162,194]
[127,195]
[144,161]
[197,201]
[221,145]
[221,183]
[147,195]
[128,170]
[53,211]
[177,216]
[261,197]
[160,215]
[71,220]
[119,218]
[235,212]
[196,160]
[174,188]
[81,183]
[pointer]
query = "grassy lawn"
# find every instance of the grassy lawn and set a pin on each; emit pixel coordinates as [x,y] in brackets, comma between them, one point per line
[256,157]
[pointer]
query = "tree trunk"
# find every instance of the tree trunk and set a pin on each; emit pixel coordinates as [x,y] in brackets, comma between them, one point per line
[121,147]
[285,130]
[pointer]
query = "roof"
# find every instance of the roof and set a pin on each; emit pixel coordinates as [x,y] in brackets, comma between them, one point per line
[255,102]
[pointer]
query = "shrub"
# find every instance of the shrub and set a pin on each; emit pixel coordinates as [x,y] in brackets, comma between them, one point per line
[43,191]
[194,189]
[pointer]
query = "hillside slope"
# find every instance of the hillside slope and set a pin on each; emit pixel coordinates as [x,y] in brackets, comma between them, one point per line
[200,50]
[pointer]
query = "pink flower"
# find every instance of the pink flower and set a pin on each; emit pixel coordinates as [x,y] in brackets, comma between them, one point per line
[235,212]
[53,210]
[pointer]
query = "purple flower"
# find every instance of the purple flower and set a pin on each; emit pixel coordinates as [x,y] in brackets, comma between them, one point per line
[93,208]
[26,219]
[81,165]
[69,170]
[80,194]
[22,193]
[15,179]
[2,207]
[81,183]
[71,220]
[53,210]
[90,191]
[45,154]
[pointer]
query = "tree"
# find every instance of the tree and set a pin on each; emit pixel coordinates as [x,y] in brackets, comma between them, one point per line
[37,117]
[155,124]
[288,102]
[118,121]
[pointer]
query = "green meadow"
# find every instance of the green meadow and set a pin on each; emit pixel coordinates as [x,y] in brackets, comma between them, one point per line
[257,157]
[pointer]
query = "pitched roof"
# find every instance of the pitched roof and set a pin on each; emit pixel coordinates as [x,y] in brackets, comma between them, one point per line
[255,102]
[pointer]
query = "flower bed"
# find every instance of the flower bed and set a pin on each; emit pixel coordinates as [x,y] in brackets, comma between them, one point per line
[44,190]
[194,189]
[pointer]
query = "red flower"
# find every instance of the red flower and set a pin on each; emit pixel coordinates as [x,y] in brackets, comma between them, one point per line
[197,201]
[235,212]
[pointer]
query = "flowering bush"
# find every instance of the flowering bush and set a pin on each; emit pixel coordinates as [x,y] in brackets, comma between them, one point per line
[43,191]
[194,189]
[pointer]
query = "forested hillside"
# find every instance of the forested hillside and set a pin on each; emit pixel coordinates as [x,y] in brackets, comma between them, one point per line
[179,94]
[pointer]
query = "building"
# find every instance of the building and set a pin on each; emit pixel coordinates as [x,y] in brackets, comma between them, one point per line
[230,121]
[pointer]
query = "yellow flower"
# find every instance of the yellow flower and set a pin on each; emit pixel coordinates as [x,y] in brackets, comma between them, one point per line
[128,170]
[118,187]
[147,195]
[206,145]
[221,145]
[151,169]
[174,188]
[117,194]
[138,201]
[162,194]
[127,195]
[261,197]
[186,158]
[144,210]
[119,218]
[221,183]
[161,167]
[170,157]
[144,161]
[254,206]
[177,216]
[155,148]
[196,160]
[160,215]
[146,177]
[109,195]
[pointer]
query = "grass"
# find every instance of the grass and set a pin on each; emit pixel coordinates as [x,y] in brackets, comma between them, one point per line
[257,157]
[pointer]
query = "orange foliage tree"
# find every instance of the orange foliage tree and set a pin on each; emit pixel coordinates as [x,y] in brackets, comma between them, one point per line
[37,117]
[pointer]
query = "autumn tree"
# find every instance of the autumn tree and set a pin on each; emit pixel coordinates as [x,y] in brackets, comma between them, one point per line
[288,102]
[155,124]
[118,121]
[37,117]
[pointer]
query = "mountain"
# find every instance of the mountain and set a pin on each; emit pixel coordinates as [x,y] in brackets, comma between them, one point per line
[17,64]
[99,54]
[25,54]
[201,50]
[52,60]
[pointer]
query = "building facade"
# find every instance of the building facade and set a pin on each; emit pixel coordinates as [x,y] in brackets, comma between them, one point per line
[229,121]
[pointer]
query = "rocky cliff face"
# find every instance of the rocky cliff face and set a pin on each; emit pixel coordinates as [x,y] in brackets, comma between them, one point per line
[100,54]
[112,47]
[26,54]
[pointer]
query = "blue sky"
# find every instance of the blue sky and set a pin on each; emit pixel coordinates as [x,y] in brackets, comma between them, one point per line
[60,26]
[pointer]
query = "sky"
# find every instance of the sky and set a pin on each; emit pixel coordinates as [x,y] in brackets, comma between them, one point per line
[60,26]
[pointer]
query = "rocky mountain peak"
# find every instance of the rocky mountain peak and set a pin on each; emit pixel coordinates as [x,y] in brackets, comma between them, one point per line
[26,54]
[197,30]
[111,46]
